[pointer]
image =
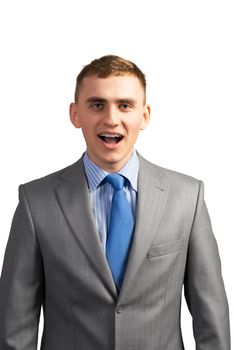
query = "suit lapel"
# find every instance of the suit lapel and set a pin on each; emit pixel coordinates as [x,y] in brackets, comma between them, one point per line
[152,197]
[73,197]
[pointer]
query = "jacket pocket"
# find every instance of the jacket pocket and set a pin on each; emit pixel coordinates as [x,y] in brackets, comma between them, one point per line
[165,249]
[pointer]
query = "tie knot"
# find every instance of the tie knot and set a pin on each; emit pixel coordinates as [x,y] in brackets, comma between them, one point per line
[116,180]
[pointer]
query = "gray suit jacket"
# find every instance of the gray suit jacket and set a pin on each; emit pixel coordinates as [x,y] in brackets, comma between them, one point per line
[54,258]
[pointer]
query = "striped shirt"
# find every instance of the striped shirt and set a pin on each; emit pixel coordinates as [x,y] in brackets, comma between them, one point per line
[101,193]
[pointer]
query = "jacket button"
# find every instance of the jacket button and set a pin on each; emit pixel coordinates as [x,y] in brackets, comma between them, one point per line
[119,309]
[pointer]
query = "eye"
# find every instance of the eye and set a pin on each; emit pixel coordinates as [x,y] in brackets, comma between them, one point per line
[96,105]
[125,106]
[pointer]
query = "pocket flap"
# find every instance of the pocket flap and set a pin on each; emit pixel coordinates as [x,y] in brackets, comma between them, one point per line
[165,249]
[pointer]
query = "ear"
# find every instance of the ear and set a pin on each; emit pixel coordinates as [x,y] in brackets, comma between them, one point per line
[73,111]
[145,117]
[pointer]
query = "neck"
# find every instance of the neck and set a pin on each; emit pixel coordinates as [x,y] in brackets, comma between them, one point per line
[111,167]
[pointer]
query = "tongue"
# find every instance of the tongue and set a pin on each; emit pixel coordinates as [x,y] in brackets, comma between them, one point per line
[111,139]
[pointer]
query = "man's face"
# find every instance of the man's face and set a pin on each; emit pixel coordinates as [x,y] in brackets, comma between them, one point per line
[110,111]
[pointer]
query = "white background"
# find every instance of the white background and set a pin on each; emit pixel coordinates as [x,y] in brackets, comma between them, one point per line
[186,49]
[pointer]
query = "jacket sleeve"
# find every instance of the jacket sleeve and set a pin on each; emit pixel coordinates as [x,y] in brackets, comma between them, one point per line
[204,287]
[21,283]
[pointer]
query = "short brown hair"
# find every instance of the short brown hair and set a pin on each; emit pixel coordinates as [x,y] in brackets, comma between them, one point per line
[109,65]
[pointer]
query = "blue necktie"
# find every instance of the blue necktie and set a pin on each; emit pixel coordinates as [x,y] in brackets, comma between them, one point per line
[120,229]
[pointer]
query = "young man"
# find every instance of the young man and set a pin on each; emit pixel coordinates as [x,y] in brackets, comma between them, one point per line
[106,244]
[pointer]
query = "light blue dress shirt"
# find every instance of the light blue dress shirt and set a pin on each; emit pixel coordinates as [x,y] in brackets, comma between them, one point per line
[101,193]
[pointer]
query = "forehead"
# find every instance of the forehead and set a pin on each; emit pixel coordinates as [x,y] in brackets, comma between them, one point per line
[112,87]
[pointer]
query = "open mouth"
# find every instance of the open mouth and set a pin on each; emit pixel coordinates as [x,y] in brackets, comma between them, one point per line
[110,138]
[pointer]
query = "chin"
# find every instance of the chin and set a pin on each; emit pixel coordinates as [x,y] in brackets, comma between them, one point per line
[111,160]
[115,162]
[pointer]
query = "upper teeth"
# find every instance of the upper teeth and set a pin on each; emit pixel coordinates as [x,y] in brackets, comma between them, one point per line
[110,135]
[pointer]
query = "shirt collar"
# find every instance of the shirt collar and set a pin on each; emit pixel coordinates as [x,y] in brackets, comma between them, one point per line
[96,175]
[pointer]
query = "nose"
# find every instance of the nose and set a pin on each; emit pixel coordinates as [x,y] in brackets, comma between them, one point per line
[111,117]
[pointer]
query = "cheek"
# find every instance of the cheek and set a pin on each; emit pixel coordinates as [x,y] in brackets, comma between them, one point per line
[87,132]
[135,125]
[87,124]
[133,134]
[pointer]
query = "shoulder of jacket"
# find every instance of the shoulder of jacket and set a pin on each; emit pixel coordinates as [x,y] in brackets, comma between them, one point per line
[172,176]
[47,182]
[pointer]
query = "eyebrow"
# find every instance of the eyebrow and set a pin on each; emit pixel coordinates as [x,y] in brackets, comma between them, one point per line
[120,100]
